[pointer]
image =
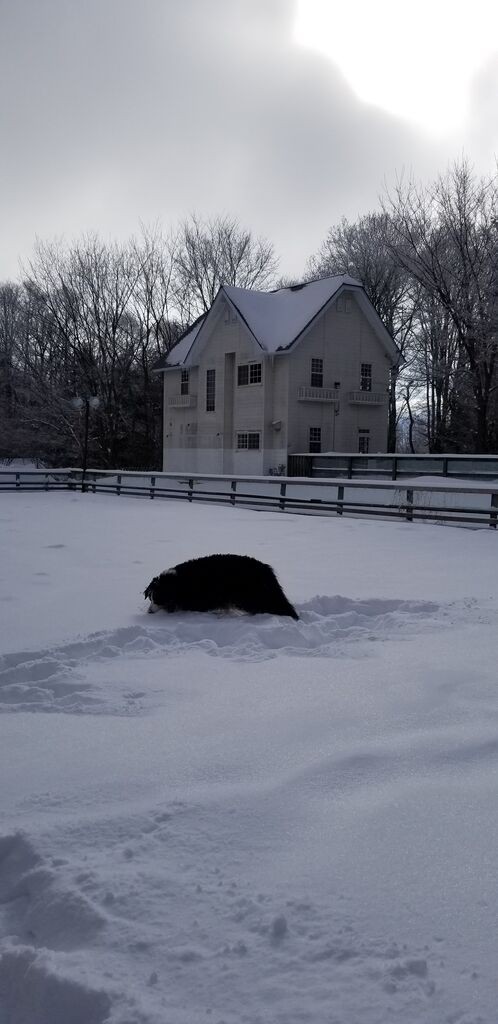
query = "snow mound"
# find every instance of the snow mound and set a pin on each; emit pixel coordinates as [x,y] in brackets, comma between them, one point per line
[57,678]
[31,989]
[37,918]
[35,908]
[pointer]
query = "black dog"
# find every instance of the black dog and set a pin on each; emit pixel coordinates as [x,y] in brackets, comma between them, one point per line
[219,582]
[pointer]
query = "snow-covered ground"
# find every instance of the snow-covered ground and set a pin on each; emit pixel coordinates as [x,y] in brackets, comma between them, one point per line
[246,820]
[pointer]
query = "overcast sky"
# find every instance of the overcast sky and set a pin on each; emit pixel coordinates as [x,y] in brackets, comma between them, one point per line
[115,112]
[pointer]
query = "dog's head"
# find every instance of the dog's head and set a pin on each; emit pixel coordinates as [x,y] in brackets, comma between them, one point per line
[161,591]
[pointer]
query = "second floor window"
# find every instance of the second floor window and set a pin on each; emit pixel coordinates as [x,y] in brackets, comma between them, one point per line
[366,377]
[184,382]
[315,439]
[249,373]
[316,373]
[210,390]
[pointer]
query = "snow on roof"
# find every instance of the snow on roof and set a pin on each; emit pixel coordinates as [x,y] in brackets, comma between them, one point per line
[178,354]
[277,318]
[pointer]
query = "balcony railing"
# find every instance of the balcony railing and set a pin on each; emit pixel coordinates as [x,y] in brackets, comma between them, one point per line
[367,397]
[309,394]
[182,401]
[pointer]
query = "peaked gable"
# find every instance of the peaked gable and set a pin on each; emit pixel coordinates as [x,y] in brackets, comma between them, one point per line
[277,320]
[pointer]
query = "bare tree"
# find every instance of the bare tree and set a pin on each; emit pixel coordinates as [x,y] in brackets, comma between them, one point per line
[85,290]
[446,238]
[210,253]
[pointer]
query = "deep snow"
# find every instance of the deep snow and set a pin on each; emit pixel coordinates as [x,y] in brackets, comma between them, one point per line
[234,819]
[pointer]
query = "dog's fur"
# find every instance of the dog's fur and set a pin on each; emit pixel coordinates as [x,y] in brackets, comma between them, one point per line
[219,582]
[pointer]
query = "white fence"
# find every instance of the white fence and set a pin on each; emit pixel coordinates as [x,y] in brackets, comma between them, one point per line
[443,501]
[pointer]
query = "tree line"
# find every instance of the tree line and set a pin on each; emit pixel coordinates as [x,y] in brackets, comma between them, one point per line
[91,318]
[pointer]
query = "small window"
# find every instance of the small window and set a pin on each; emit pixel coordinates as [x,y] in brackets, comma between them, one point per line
[248,373]
[248,440]
[315,439]
[184,382]
[363,442]
[210,390]
[366,377]
[337,385]
[343,304]
[317,373]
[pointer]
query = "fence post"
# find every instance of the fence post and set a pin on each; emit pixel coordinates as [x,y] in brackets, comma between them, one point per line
[152,486]
[493,516]
[118,485]
[190,489]
[409,505]
[340,497]
[350,467]
[233,487]
[46,481]
[283,489]
[394,472]
[18,480]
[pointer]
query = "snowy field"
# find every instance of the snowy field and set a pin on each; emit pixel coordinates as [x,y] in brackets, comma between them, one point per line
[235,820]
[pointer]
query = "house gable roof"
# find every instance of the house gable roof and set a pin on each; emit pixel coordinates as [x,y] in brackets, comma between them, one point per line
[277,320]
[180,351]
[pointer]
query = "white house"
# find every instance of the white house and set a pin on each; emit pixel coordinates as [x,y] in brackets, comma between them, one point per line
[266,374]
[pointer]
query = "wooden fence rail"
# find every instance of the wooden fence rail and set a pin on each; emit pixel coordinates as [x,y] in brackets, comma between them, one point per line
[394,466]
[475,504]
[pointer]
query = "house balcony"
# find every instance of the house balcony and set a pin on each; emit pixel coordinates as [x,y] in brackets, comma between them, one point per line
[367,397]
[309,394]
[182,401]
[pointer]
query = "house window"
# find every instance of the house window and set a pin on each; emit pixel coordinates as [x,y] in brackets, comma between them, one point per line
[184,382]
[210,390]
[248,440]
[343,304]
[317,373]
[315,439]
[248,373]
[363,441]
[366,377]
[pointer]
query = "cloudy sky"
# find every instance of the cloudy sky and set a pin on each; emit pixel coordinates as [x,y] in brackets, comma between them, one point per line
[286,114]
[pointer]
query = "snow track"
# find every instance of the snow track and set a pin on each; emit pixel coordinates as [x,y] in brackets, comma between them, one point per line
[246,820]
[57,678]
[191,923]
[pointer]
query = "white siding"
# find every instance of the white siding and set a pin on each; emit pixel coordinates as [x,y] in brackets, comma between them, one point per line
[343,341]
[202,441]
